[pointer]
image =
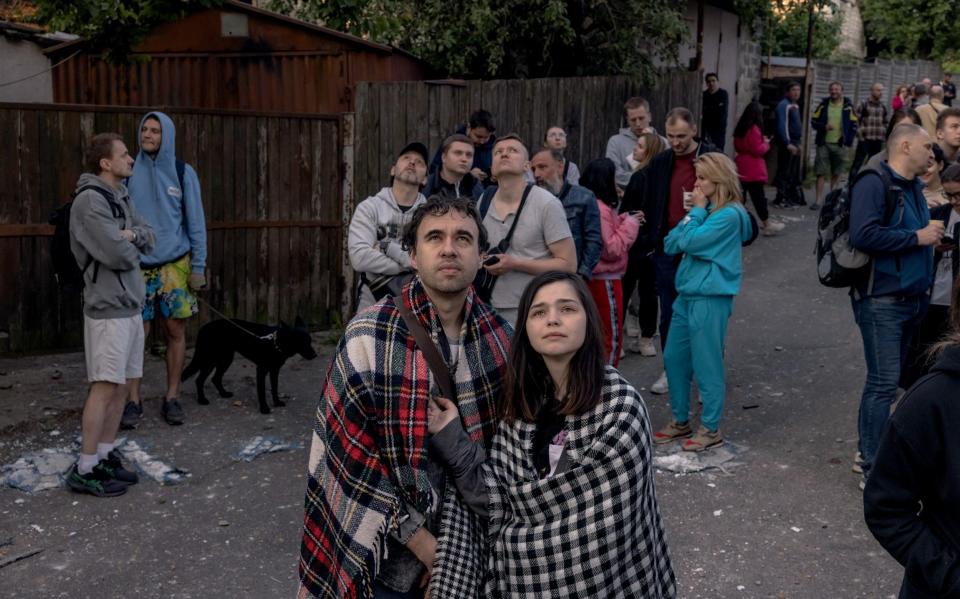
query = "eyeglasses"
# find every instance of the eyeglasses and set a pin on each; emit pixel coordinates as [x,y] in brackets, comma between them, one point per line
[559,134]
[953,197]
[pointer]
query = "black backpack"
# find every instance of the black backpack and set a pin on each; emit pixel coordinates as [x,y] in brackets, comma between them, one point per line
[68,273]
[839,264]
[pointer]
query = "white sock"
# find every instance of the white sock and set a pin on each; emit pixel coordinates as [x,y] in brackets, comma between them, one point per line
[103,449]
[86,463]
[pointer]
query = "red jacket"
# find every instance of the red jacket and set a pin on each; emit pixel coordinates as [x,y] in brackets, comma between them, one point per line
[751,149]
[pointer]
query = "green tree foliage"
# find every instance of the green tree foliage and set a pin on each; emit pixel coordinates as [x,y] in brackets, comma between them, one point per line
[914,29]
[786,33]
[512,38]
[113,26]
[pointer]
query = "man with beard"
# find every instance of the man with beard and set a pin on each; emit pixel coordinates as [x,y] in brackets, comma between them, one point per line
[583,215]
[376,499]
[373,241]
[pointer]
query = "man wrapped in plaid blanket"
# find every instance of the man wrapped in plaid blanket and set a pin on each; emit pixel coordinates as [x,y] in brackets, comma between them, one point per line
[368,459]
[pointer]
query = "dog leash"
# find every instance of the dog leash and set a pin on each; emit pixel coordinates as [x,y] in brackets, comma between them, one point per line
[272,337]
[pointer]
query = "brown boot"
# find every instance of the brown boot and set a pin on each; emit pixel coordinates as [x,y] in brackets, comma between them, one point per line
[673,431]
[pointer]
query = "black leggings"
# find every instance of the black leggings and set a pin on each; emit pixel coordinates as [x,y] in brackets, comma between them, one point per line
[755,190]
[640,272]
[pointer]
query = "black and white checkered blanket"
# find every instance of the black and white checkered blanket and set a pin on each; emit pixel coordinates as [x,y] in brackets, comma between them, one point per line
[593,530]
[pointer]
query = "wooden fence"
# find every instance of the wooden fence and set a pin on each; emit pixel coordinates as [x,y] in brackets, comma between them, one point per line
[388,115]
[271,186]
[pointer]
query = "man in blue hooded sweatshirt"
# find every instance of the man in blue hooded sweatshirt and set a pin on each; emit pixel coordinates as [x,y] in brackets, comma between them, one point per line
[167,193]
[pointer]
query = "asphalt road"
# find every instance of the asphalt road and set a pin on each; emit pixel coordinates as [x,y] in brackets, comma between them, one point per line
[786,522]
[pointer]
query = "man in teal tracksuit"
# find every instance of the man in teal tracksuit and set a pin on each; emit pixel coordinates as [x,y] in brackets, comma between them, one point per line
[707,281]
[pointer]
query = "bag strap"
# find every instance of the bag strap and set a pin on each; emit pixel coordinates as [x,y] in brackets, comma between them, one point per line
[430,352]
[504,244]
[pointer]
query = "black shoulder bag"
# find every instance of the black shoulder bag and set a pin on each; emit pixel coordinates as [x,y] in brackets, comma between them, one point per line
[484,282]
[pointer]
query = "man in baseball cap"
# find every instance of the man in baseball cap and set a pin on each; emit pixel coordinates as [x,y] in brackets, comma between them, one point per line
[373,242]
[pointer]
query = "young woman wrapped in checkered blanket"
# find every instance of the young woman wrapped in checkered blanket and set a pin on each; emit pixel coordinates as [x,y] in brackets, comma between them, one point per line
[567,489]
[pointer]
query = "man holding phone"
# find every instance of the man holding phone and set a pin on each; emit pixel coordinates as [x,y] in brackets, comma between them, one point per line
[541,240]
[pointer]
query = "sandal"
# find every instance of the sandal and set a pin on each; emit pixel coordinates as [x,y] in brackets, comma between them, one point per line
[704,439]
[673,431]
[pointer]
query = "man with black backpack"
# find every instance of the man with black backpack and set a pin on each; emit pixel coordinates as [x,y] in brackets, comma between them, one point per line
[107,236]
[890,222]
[167,192]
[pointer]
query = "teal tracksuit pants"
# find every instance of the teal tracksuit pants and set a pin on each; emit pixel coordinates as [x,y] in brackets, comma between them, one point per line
[695,349]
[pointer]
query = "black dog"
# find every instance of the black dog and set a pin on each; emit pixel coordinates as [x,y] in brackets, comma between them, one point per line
[267,347]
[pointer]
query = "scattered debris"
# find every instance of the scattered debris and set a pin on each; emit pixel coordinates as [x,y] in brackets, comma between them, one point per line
[796,529]
[778,348]
[717,512]
[56,375]
[260,445]
[6,385]
[750,406]
[151,466]
[685,462]
[223,523]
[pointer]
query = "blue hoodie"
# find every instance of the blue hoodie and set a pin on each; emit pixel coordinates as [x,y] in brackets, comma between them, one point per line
[175,214]
[711,243]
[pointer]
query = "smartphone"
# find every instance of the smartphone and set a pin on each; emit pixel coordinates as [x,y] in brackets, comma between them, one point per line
[491,260]
[946,240]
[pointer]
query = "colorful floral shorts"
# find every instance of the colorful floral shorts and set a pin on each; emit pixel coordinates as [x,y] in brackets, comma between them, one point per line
[168,292]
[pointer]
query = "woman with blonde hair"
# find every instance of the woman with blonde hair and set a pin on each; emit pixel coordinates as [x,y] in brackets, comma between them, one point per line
[710,238]
[648,145]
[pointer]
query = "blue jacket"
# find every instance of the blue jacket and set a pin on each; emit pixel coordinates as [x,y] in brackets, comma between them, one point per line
[175,214]
[849,117]
[899,265]
[789,123]
[711,242]
[482,155]
[583,216]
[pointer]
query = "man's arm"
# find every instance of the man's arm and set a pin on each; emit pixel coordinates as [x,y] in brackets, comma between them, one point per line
[196,225]
[563,258]
[144,237]
[592,238]
[867,233]
[363,246]
[93,225]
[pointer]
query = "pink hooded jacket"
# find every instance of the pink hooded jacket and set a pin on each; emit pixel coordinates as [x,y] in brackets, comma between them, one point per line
[618,231]
[751,149]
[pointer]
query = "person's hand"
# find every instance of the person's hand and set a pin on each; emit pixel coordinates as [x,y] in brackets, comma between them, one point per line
[699,198]
[505,265]
[931,234]
[793,149]
[478,173]
[639,215]
[440,413]
[424,546]
[128,235]
[197,281]
[829,127]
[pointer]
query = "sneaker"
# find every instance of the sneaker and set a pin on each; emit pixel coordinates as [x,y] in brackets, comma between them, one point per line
[132,412]
[114,467]
[646,348]
[172,412]
[673,431]
[857,461]
[770,228]
[661,386]
[704,439]
[96,483]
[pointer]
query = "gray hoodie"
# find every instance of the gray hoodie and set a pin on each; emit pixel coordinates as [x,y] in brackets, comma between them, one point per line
[113,284]
[373,241]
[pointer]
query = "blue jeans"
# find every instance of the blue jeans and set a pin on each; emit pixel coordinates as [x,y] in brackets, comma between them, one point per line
[887,325]
[665,275]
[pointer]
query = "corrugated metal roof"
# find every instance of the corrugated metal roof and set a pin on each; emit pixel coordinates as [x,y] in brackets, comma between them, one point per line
[785,61]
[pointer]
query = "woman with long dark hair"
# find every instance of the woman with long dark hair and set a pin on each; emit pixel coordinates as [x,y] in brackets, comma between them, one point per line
[752,146]
[568,488]
[618,232]
[911,496]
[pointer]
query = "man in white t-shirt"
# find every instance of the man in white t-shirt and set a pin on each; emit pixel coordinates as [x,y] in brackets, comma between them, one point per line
[541,241]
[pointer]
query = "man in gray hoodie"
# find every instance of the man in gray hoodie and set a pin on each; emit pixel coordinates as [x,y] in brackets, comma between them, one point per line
[620,146]
[373,241]
[107,237]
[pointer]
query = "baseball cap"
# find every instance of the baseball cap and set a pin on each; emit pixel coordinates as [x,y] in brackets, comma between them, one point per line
[415,146]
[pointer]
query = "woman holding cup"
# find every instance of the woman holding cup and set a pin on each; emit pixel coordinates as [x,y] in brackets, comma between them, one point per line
[708,279]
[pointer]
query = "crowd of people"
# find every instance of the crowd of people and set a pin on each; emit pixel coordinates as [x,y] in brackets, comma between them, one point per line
[474,436]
